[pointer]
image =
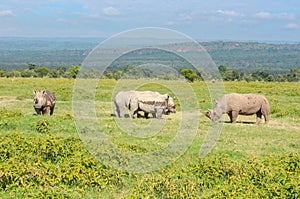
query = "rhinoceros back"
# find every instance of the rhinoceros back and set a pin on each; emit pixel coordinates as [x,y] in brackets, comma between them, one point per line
[246,104]
[50,98]
[148,101]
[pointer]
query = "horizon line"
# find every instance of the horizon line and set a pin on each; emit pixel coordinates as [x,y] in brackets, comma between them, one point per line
[198,40]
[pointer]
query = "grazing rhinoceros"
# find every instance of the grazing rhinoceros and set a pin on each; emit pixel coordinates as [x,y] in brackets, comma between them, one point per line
[121,102]
[244,104]
[43,102]
[151,102]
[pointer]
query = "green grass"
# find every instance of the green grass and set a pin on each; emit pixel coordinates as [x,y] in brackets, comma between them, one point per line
[43,156]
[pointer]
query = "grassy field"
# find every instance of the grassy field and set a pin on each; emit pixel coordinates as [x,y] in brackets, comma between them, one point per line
[45,157]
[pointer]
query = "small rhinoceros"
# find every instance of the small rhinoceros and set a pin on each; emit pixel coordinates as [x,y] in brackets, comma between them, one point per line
[244,104]
[151,102]
[43,102]
[121,102]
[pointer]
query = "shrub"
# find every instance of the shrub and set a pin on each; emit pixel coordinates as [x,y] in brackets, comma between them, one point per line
[43,126]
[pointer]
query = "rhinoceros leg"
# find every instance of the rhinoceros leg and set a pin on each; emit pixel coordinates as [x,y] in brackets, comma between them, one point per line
[146,115]
[38,111]
[52,110]
[159,113]
[234,115]
[258,117]
[266,116]
[154,115]
[45,110]
[117,112]
[133,114]
[229,114]
[121,112]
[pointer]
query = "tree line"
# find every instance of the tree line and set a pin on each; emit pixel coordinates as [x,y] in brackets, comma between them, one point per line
[190,75]
[34,71]
[233,75]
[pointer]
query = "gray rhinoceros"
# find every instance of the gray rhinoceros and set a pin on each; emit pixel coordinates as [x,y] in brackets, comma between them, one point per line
[43,102]
[121,102]
[244,104]
[151,102]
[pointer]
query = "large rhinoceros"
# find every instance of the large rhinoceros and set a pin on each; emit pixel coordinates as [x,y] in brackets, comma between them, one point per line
[43,102]
[244,104]
[121,102]
[151,102]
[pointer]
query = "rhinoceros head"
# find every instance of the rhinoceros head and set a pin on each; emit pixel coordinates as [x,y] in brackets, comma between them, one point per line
[39,99]
[212,115]
[171,104]
[217,112]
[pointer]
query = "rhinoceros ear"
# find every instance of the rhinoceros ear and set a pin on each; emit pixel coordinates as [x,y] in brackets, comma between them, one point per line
[208,113]
[34,92]
[216,102]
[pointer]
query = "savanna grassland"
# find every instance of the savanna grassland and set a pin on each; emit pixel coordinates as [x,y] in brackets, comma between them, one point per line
[44,157]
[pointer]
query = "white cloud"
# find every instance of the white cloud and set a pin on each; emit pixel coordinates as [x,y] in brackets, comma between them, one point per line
[263,15]
[184,16]
[291,26]
[229,13]
[285,16]
[6,13]
[268,15]
[61,20]
[111,11]
[171,23]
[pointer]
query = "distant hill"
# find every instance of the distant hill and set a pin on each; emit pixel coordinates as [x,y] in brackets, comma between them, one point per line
[251,56]
[17,53]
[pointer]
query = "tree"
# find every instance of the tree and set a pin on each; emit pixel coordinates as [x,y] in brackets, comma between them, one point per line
[293,75]
[228,75]
[248,78]
[58,72]
[2,73]
[189,74]
[42,72]
[28,73]
[54,74]
[260,75]
[281,78]
[270,78]
[13,73]
[222,70]
[118,75]
[74,70]
[61,70]
[232,75]
[108,74]
[32,66]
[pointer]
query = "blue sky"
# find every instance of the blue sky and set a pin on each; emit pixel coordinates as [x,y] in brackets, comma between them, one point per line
[246,20]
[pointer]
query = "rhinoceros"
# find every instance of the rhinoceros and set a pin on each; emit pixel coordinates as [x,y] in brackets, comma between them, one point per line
[121,102]
[43,102]
[244,104]
[151,102]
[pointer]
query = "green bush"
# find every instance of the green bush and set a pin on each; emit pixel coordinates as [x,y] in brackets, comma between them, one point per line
[9,119]
[43,126]
[36,165]
[52,166]
[219,177]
